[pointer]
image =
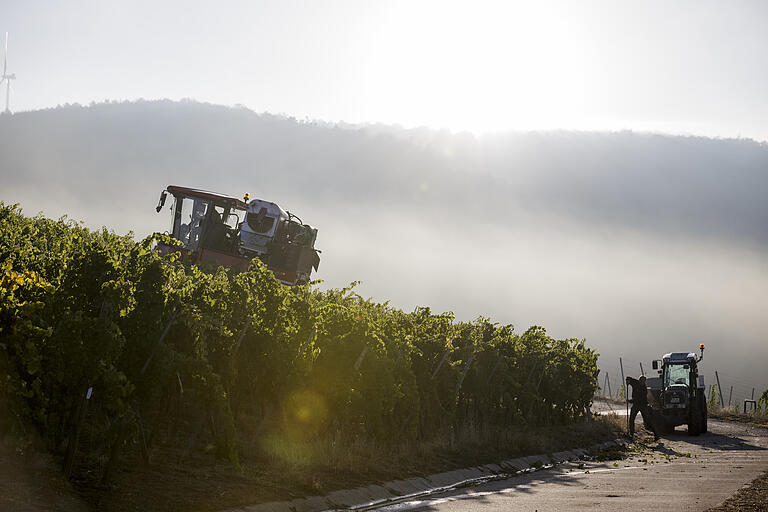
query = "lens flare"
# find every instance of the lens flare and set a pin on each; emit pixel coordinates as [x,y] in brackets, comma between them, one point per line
[306,414]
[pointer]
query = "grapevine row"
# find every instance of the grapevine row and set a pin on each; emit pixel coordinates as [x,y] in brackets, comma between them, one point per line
[168,353]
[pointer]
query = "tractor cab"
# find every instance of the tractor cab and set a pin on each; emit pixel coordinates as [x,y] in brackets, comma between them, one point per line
[218,229]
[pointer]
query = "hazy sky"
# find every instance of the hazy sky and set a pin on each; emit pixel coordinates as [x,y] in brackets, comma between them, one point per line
[679,67]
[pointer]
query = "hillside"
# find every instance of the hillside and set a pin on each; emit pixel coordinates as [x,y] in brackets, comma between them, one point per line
[688,185]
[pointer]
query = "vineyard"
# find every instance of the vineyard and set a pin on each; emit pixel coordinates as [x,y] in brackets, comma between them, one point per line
[109,351]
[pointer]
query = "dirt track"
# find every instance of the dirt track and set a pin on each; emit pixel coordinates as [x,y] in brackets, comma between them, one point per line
[662,477]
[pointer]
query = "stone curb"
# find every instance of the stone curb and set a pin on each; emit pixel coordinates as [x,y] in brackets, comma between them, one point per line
[363,498]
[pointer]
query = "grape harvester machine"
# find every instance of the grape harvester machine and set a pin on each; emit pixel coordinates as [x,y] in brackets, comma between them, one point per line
[223,230]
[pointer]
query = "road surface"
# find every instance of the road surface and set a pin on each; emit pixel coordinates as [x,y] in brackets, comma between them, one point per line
[664,477]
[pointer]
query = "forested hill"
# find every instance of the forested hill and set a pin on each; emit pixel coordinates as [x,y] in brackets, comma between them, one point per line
[121,154]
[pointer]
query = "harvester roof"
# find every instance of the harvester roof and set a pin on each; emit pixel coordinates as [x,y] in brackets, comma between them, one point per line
[204,194]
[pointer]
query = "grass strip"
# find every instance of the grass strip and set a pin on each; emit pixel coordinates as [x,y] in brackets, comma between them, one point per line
[203,486]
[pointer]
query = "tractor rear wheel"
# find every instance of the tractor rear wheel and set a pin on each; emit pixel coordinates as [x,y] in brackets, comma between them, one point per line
[695,421]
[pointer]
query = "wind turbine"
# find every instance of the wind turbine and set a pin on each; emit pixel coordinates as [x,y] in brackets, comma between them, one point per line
[6,77]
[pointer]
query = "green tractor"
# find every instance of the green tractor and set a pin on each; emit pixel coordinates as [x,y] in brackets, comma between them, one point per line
[678,394]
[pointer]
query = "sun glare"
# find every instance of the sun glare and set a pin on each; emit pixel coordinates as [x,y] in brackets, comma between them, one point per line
[497,67]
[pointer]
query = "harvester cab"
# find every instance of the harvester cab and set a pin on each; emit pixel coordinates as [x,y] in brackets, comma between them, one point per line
[224,230]
[678,394]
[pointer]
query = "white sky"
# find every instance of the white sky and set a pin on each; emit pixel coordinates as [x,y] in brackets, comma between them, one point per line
[695,67]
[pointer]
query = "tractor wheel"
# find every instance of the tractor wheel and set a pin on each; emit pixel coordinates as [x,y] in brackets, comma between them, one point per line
[704,417]
[663,427]
[695,422]
[693,428]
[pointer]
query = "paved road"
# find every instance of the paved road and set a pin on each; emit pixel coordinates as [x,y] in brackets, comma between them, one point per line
[720,462]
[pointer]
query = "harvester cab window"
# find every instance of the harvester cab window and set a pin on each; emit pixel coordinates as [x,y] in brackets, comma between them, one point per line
[228,216]
[677,374]
[172,211]
[220,228]
[190,223]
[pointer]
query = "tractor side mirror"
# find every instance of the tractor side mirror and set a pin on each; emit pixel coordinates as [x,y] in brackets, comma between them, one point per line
[161,203]
[655,364]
